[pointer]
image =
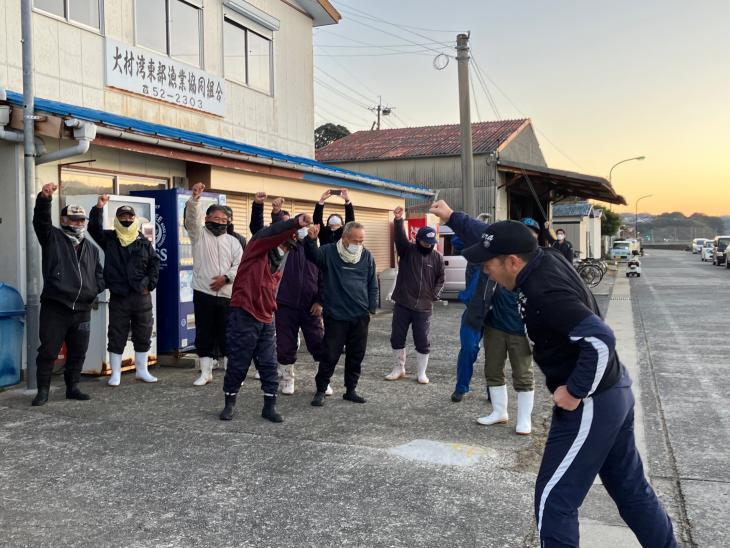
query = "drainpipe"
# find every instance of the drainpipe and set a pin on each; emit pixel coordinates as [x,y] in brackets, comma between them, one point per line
[32,248]
[14,136]
[84,133]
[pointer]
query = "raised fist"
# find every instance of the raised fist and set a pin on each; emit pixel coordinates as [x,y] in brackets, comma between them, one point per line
[48,190]
[102,201]
[260,197]
[313,231]
[276,205]
[197,189]
[398,213]
[305,219]
[442,210]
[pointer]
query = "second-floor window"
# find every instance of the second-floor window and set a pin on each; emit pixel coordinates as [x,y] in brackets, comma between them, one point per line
[86,12]
[247,57]
[172,27]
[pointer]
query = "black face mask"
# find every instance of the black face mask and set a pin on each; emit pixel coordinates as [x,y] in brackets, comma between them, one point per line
[229,228]
[424,250]
[126,224]
[216,228]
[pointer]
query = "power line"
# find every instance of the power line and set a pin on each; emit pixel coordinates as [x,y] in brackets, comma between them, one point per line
[382,46]
[356,78]
[403,25]
[476,102]
[485,88]
[354,101]
[368,99]
[422,53]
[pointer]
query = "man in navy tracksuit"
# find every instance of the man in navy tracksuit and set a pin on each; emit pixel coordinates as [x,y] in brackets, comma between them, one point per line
[592,429]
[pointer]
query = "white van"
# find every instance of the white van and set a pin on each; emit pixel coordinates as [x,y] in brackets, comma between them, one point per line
[454,265]
[697,245]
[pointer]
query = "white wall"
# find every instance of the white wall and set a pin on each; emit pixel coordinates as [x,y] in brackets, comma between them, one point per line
[69,67]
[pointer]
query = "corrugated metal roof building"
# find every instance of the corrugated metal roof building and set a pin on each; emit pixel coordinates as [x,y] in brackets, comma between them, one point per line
[510,172]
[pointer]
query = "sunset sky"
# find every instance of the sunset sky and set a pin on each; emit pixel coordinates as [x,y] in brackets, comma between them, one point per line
[601,82]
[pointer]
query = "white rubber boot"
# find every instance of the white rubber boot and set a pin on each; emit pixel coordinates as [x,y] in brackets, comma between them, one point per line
[329,390]
[287,379]
[399,369]
[115,360]
[525,401]
[422,364]
[206,372]
[140,364]
[499,406]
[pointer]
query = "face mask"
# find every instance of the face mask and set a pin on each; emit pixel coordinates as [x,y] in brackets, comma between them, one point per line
[216,228]
[302,233]
[561,237]
[335,222]
[77,231]
[353,249]
[126,224]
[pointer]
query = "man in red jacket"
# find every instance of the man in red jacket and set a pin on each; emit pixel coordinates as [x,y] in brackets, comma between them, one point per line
[249,330]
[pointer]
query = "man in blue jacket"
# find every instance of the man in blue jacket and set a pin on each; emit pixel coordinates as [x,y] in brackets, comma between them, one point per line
[350,296]
[592,429]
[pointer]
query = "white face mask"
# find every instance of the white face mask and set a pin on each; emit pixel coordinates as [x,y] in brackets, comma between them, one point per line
[335,223]
[302,233]
[353,248]
[561,237]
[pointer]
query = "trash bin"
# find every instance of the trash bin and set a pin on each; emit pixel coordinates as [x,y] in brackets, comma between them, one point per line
[12,324]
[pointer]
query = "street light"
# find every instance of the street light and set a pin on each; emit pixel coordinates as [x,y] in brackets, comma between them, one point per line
[621,162]
[636,217]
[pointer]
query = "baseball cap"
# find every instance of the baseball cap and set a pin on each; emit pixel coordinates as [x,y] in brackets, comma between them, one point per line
[502,238]
[121,210]
[75,212]
[426,235]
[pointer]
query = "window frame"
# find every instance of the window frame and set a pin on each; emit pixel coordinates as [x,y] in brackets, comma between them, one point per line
[113,173]
[65,18]
[196,4]
[227,19]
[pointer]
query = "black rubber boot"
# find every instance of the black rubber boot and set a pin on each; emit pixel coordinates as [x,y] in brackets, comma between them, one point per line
[457,396]
[353,396]
[41,398]
[73,393]
[318,400]
[269,410]
[227,413]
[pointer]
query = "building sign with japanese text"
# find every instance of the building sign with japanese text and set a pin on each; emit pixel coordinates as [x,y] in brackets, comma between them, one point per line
[159,77]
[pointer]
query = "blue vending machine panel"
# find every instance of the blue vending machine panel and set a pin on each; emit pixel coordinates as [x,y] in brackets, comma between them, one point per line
[176,318]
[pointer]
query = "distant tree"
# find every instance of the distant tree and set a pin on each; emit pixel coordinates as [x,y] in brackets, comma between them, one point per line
[610,222]
[329,133]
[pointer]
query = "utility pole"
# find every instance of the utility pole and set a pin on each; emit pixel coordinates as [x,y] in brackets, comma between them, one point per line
[380,109]
[467,157]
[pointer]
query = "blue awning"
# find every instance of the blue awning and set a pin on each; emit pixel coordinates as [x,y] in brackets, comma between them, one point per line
[201,139]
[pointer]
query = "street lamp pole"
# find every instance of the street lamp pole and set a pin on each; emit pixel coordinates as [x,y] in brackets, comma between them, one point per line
[621,162]
[636,217]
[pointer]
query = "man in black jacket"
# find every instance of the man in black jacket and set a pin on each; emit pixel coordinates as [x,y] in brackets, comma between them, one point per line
[418,284]
[592,429]
[350,296]
[131,271]
[72,278]
[331,231]
[563,245]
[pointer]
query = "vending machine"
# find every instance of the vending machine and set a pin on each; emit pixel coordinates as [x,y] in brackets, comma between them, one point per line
[97,357]
[176,324]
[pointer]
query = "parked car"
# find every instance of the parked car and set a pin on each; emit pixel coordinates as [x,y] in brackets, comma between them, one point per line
[708,249]
[719,256]
[621,249]
[697,245]
[454,265]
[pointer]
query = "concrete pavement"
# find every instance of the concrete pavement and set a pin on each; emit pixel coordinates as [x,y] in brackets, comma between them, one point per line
[153,466]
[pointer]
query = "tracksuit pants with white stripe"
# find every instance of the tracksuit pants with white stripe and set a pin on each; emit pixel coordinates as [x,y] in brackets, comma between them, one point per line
[597,439]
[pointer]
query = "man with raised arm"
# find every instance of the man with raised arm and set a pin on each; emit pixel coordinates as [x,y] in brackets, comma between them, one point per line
[418,284]
[72,278]
[331,231]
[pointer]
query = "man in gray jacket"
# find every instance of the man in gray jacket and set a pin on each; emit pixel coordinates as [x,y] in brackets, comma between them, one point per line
[419,283]
[350,296]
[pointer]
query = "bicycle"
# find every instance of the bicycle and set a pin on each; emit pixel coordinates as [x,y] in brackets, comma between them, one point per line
[590,270]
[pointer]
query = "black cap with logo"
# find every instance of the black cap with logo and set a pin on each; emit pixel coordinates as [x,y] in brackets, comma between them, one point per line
[125,209]
[502,238]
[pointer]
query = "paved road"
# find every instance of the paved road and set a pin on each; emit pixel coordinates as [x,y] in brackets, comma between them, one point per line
[682,319]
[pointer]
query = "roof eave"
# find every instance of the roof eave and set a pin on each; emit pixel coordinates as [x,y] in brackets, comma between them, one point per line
[323,13]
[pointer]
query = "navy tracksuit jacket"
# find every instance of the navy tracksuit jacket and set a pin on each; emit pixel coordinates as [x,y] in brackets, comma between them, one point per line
[575,348]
